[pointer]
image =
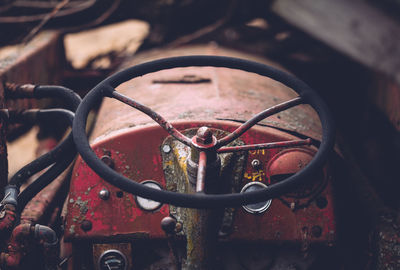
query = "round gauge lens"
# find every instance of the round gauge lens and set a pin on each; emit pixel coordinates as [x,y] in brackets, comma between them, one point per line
[255,208]
[112,259]
[146,204]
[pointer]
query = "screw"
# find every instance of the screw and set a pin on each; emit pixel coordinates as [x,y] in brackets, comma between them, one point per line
[86,225]
[166,148]
[255,163]
[204,135]
[108,161]
[104,194]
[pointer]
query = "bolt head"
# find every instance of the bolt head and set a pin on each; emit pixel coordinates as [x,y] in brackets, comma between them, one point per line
[204,135]
[104,194]
[168,225]
[86,225]
[166,148]
[255,163]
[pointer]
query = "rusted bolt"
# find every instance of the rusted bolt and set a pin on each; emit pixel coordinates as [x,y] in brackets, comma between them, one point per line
[108,161]
[166,148]
[316,231]
[204,135]
[86,225]
[255,163]
[168,225]
[104,194]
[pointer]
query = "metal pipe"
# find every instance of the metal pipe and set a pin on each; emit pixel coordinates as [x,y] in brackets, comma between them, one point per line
[155,116]
[272,145]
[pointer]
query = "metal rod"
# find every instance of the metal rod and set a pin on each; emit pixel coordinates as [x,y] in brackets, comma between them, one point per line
[155,116]
[264,146]
[257,118]
[201,172]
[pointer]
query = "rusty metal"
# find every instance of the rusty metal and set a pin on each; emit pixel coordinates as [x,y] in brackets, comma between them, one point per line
[201,172]
[285,144]
[8,218]
[228,94]
[86,225]
[204,135]
[16,247]
[155,116]
[169,225]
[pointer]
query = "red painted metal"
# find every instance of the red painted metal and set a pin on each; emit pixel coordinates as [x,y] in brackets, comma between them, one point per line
[227,94]
[222,100]
[7,221]
[121,217]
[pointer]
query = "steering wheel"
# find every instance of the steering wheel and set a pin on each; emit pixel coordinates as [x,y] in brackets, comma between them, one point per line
[106,88]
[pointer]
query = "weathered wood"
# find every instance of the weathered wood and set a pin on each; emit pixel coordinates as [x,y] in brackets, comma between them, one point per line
[355,28]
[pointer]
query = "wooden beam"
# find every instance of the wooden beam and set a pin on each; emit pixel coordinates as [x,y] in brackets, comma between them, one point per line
[355,28]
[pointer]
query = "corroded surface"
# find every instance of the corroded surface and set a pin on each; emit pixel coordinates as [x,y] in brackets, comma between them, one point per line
[121,217]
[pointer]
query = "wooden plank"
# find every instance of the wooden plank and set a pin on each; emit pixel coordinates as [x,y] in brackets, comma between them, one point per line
[355,28]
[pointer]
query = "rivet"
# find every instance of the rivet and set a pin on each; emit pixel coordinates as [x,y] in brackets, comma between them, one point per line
[166,148]
[104,194]
[255,163]
[86,225]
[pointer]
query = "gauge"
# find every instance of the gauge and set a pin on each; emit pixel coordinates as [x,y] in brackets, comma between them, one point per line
[112,259]
[146,204]
[255,208]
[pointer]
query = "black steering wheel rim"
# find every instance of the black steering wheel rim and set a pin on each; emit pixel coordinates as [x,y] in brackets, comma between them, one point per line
[201,200]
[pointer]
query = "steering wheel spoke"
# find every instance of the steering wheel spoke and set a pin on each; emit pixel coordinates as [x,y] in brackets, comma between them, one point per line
[257,118]
[273,145]
[153,115]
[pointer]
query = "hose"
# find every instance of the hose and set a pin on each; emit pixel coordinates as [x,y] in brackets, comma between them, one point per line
[43,91]
[54,171]
[56,154]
